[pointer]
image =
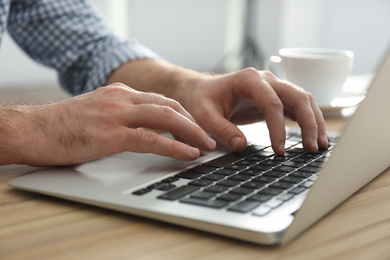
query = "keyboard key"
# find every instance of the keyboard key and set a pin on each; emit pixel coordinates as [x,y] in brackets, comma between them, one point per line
[178,192]
[322,159]
[316,164]
[260,197]
[261,211]
[296,190]
[200,182]
[241,191]
[270,191]
[213,177]
[229,197]
[204,195]
[233,157]
[292,164]
[253,185]
[265,153]
[270,162]
[291,179]
[141,191]
[309,155]
[166,186]
[170,179]
[275,174]
[310,169]
[260,167]
[225,172]
[296,150]
[224,160]
[284,169]
[256,158]
[281,185]
[228,183]
[235,167]
[250,172]
[206,203]
[161,186]
[188,175]
[301,160]
[307,184]
[274,203]
[216,189]
[156,185]
[201,169]
[286,197]
[239,177]
[244,206]
[264,179]
[245,162]
[290,154]
[301,174]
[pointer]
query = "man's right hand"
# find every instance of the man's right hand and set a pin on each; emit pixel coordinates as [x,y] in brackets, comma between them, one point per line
[103,122]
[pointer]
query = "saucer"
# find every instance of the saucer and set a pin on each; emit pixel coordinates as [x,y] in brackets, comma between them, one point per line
[347,100]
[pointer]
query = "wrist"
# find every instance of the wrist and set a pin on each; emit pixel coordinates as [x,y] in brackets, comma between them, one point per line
[12,132]
[158,76]
[185,82]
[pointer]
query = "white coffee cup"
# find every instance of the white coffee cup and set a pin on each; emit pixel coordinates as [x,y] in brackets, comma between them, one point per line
[321,72]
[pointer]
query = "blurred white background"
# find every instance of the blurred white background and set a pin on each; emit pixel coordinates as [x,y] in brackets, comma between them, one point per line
[205,34]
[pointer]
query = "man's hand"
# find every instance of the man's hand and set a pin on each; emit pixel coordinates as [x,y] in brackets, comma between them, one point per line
[218,103]
[106,121]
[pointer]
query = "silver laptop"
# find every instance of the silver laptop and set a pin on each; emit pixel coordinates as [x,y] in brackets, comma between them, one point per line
[254,196]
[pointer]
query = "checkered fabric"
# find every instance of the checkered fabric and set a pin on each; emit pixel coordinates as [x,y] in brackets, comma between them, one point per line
[70,36]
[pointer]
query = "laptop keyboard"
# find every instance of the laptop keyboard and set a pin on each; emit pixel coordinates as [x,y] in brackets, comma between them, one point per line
[256,180]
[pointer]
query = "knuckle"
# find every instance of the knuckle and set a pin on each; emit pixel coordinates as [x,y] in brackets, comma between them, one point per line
[269,74]
[249,72]
[304,96]
[167,112]
[175,104]
[141,139]
[117,84]
[275,104]
[310,97]
[221,130]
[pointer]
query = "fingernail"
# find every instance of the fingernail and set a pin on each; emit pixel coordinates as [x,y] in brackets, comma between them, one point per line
[325,140]
[281,148]
[236,142]
[211,142]
[315,146]
[193,153]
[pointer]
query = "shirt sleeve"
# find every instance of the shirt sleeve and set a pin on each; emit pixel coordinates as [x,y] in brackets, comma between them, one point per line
[72,37]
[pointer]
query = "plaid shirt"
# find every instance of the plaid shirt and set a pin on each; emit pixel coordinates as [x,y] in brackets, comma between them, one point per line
[70,36]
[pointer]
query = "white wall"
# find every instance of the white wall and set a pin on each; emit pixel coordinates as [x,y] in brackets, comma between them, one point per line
[191,33]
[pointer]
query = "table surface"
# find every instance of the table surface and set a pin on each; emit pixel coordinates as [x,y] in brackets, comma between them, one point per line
[34,226]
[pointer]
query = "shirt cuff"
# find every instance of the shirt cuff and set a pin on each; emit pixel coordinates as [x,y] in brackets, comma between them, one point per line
[106,57]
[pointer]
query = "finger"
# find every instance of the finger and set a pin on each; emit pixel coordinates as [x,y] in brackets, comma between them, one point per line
[153,98]
[222,129]
[306,112]
[323,138]
[143,141]
[165,118]
[268,101]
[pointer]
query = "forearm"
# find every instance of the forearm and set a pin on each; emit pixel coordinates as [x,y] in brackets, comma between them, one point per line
[158,76]
[13,132]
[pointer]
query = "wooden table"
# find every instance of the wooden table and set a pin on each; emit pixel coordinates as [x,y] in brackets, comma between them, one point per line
[34,226]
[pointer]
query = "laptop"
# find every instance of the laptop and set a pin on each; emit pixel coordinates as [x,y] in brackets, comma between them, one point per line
[254,196]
